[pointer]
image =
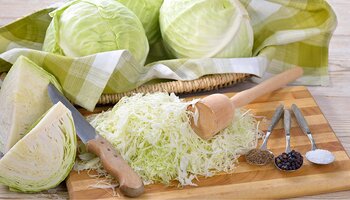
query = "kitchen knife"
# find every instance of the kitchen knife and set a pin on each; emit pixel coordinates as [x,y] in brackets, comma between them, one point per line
[130,183]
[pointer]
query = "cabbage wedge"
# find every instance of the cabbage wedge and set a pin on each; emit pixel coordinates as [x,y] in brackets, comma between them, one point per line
[44,157]
[24,99]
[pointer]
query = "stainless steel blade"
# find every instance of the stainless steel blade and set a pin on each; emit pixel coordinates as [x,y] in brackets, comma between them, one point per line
[84,130]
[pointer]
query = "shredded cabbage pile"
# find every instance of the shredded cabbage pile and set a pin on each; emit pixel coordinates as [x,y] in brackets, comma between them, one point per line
[152,132]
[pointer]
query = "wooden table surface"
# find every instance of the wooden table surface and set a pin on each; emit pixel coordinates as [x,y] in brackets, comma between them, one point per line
[334,100]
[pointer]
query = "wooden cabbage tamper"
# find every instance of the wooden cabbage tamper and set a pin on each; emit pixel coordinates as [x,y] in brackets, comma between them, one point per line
[215,112]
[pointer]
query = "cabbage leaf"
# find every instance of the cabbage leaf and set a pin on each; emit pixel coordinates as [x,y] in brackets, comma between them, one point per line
[148,13]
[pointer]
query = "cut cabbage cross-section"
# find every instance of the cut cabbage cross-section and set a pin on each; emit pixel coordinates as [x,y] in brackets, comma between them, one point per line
[24,99]
[43,157]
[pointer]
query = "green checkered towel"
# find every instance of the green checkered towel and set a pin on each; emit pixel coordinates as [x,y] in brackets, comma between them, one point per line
[287,33]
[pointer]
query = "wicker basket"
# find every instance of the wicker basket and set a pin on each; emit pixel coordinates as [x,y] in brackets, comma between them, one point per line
[204,83]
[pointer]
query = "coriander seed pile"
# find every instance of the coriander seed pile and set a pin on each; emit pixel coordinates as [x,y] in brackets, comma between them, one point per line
[259,157]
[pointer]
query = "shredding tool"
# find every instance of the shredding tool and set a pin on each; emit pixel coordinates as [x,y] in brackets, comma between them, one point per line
[215,112]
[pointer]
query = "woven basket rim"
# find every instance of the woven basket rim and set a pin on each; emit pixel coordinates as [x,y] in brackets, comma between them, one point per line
[204,83]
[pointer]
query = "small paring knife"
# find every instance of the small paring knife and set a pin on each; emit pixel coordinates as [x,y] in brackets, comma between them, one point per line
[131,184]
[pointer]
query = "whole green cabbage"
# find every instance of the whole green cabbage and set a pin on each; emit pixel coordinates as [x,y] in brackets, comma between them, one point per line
[84,27]
[148,13]
[206,28]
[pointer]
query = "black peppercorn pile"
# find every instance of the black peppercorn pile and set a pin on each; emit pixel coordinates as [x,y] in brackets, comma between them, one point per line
[289,161]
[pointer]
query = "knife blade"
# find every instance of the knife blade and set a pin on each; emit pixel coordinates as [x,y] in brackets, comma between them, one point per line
[84,130]
[130,183]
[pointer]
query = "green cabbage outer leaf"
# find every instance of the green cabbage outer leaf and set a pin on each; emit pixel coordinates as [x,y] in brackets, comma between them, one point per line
[44,157]
[148,13]
[206,28]
[154,135]
[49,44]
[85,27]
[24,99]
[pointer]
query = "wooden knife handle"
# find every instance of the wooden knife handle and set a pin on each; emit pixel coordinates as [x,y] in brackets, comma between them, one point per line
[131,184]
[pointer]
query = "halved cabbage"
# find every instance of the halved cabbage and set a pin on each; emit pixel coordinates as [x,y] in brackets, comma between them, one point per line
[24,99]
[44,157]
[85,27]
[206,28]
[148,13]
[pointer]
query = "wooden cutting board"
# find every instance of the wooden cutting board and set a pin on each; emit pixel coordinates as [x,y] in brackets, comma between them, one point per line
[256,181]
